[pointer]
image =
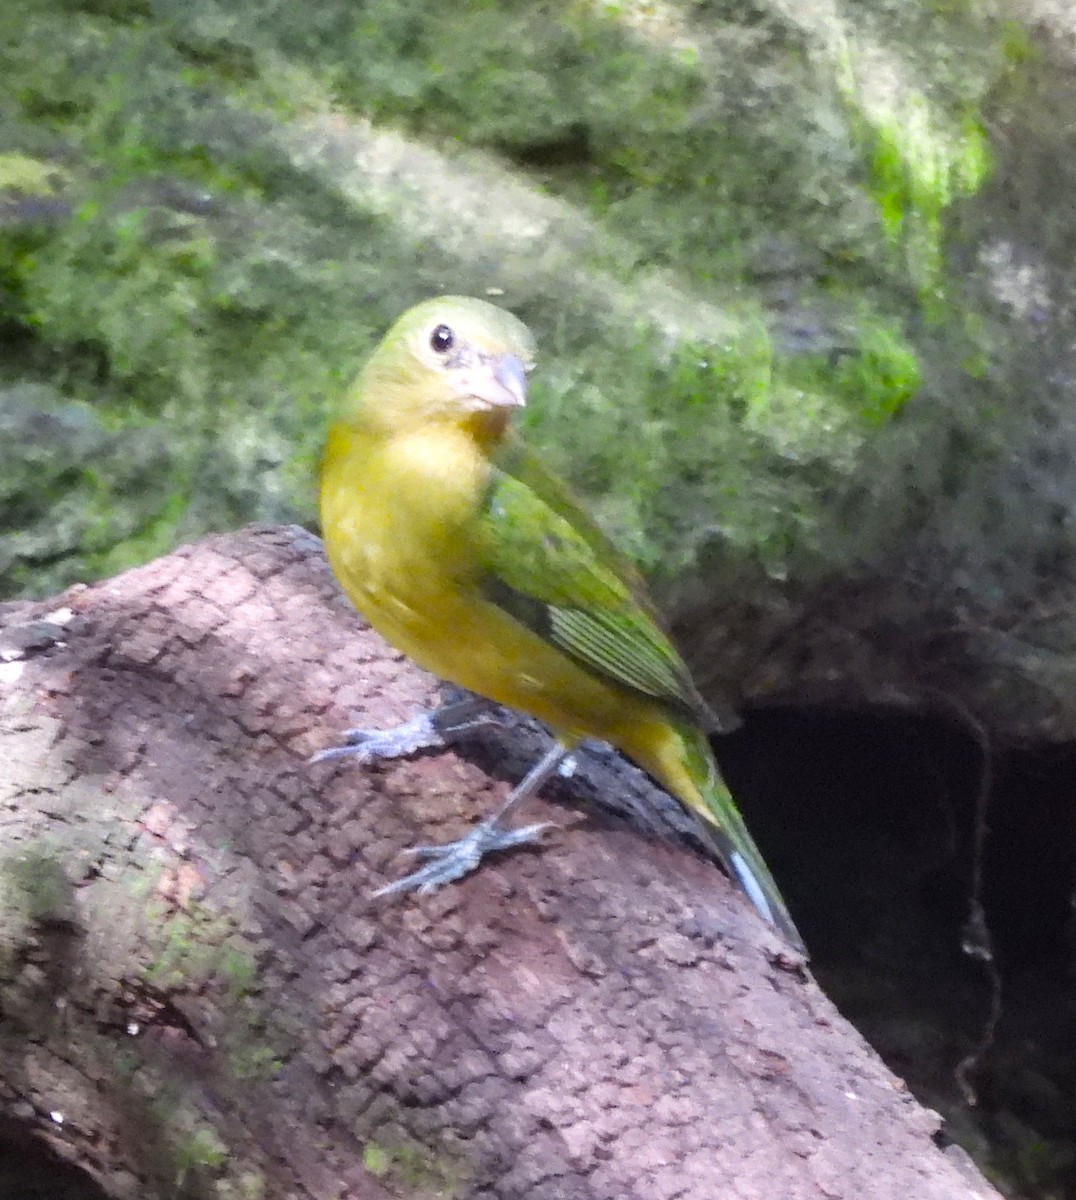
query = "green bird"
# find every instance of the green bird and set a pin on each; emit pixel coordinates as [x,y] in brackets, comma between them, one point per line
[461,549]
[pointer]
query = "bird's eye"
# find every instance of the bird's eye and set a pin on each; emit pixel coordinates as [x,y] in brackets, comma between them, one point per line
[442,338]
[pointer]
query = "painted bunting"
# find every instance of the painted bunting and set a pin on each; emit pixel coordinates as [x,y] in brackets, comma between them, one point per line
[461,549]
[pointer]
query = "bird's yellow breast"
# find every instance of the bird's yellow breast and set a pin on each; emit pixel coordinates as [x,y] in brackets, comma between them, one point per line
[400,522]
[398,516]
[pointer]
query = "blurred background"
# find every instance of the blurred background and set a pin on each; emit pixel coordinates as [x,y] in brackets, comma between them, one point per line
[724,220]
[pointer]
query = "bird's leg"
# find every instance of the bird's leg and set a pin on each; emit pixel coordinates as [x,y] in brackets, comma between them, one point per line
[428,730]
[456,859]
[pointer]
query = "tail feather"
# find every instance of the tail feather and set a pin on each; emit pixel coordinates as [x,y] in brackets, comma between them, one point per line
[685,764]
[741,858]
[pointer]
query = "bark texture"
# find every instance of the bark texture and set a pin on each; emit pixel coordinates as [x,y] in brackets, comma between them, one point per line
[200,996]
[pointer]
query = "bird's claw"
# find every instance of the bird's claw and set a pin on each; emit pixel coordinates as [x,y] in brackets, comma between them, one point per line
[453,860]
[430,730]
[371,745]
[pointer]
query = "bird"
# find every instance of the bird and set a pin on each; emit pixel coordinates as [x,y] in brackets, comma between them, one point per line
[463,550]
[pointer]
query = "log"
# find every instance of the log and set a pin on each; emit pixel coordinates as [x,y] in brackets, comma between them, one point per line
[201,997]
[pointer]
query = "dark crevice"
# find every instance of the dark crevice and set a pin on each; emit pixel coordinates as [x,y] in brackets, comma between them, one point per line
[31,1170]
[872,823]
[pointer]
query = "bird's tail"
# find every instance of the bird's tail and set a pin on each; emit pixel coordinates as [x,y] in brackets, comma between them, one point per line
[685,764]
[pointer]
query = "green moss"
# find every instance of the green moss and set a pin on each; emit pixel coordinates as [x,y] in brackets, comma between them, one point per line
[376,1160]
[198,947]
[923,156]
[34,885]
[1016,45]
[871,381]
[662,182]
[198,950]
[201,1150]
[415,1168]
[250,1061]
[25,176]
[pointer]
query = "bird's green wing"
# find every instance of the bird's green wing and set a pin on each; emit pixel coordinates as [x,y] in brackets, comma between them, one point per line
[547,563]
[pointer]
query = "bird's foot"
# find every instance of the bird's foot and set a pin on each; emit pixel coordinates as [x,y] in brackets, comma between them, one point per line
[455,859]
[371,745]
[431,730]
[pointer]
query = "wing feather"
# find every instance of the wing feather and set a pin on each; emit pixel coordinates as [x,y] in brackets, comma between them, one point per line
[548,565]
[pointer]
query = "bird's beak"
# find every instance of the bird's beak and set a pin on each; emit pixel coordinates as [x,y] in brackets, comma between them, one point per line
[499,382]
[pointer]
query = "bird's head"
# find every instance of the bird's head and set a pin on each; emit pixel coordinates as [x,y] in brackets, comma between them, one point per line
[452,359]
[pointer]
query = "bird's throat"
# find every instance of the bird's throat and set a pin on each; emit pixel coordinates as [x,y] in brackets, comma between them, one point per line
[488,427]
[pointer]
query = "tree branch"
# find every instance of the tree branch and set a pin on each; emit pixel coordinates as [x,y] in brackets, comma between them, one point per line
[201,997]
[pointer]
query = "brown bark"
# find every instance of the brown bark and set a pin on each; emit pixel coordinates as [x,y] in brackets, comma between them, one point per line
[200,996]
